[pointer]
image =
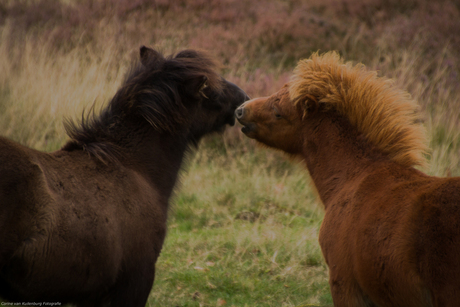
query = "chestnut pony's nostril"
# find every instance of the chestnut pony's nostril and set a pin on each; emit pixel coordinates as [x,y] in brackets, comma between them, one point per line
[239,112]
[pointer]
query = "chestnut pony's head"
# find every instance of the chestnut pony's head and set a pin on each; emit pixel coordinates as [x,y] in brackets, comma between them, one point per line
[274,121]
[386,116]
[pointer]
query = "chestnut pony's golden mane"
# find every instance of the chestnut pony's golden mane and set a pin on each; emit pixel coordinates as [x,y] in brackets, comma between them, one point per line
[385,115]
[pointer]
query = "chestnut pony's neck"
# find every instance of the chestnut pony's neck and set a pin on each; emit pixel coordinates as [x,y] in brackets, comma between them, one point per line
[336,155]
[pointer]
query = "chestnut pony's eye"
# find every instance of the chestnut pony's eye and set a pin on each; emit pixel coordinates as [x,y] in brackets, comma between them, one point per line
[277,114]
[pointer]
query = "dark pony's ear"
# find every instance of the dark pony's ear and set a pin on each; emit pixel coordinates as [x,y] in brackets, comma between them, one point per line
[148,55]
[196,85]
[306,105]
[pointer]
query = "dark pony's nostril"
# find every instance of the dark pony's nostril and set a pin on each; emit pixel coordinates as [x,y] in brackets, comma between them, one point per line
[239,112]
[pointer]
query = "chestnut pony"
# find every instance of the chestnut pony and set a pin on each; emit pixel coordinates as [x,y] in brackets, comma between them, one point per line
[390,234]
[86,224]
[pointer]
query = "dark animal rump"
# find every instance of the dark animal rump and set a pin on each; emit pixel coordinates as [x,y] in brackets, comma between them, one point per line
[64,218]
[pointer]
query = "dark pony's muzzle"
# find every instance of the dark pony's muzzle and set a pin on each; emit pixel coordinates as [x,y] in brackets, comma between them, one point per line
[239,96]
[231,121]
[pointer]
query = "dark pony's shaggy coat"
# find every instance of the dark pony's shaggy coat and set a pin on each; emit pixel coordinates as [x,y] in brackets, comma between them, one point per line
[86,224]
[390,233]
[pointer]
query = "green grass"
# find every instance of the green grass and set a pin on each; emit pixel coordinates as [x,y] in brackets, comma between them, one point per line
[244,233]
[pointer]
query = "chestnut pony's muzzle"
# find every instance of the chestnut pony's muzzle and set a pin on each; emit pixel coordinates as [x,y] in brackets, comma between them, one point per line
[241,114]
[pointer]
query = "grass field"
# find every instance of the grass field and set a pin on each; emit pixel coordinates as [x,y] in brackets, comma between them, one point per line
[244,221]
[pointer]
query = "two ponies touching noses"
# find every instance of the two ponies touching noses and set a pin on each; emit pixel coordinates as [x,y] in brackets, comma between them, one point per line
[390,234]
[85,224]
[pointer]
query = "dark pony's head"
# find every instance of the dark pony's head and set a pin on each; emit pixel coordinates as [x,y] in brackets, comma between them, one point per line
[181,96]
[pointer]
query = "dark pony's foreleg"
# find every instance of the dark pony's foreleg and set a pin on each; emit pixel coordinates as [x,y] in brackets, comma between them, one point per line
[132,289]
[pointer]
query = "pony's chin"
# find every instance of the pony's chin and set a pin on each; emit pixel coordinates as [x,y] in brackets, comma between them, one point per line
[231,121]
[248,131]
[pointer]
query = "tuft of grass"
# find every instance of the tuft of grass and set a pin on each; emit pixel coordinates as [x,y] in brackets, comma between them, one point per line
[249,238]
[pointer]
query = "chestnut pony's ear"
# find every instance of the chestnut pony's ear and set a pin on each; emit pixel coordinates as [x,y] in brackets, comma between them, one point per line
[306,105]
[148,55]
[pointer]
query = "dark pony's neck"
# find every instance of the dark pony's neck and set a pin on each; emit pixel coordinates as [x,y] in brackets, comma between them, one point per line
[144,102]
[146,125]
[152,99]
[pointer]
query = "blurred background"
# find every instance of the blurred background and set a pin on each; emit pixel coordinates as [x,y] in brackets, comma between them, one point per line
[244,221]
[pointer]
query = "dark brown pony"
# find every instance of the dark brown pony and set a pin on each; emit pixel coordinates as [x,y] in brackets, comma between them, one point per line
[390,234]
[85,224]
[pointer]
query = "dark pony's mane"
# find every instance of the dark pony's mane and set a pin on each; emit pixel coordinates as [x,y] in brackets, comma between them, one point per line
[155,92]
